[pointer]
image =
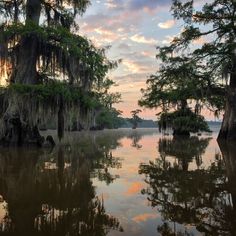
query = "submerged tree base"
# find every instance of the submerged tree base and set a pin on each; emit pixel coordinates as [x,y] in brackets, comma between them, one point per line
[181,133]
[19,134]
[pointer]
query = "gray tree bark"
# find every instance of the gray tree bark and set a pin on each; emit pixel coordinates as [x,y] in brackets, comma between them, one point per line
[228,127]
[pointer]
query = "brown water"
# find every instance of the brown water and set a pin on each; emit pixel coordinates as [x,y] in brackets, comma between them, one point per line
[120,182]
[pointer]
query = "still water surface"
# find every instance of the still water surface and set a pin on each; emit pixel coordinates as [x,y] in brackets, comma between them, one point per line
[121,182]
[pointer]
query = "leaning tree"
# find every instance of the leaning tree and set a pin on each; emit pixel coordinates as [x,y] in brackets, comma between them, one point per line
[214,25]
[49,68]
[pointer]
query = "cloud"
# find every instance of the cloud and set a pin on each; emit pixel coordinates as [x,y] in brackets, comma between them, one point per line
[114,4]
[124,46]
[111,4]
[131,78]
[125,22]
[144,217]
[167,24]
[128,27]
[148,5]
[142,39]
[200,41]
[107,35]
[168,39]
[149,54]
[134,188]
[137,5]
[138,66]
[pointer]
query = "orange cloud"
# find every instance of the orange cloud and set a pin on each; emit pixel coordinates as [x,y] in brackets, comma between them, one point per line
[134,188]
[144,217]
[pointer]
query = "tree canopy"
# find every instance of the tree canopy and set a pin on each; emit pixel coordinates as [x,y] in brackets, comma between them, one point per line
[204,74]
[49,68]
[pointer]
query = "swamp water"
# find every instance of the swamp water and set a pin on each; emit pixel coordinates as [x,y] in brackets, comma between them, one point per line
[122,182]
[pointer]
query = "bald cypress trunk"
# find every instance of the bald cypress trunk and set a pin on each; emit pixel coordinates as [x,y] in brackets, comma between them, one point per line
[60,119]
[228,127]
[17,129]
[25,71]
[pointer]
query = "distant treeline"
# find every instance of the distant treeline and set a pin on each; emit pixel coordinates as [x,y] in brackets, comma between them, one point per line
[142,124]
[153,124]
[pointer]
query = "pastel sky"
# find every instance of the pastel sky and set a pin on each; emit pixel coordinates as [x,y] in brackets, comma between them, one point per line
[133,29]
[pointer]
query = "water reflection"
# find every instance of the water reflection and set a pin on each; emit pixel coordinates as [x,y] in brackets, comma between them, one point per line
[53,194]
[136,138]
[184,150]
[195,200]
[90,186]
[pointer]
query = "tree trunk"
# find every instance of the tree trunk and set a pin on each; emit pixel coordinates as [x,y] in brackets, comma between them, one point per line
[228,127]
[17,129]
[25,71]
[20,134]
[60,120]
[135,125]
[177,132]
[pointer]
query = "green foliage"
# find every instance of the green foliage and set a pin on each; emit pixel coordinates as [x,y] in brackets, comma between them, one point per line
[52,91]
[183,121]
[58,46]
[105,97]
[61,12]
[59,50]
[110,119]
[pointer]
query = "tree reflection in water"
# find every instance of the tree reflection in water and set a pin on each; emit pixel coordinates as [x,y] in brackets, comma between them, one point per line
[200,199]
[52,194]
[135,137]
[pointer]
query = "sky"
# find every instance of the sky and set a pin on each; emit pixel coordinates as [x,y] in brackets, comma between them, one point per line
[133,29]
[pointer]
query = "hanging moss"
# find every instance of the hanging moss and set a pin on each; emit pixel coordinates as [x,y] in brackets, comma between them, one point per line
[37,104]
[58,52]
